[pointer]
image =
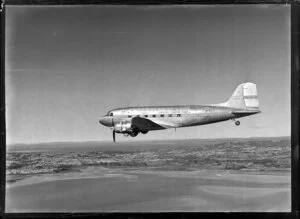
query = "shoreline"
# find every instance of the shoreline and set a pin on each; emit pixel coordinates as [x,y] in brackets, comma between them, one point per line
[100,172]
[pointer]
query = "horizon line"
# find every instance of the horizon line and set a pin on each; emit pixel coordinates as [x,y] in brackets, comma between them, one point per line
[49,142]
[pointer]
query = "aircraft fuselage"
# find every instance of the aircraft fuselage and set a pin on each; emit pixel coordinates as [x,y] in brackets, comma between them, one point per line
[174,116]
[133,120]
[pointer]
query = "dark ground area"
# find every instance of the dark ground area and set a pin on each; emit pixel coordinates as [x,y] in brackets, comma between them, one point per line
[231,154]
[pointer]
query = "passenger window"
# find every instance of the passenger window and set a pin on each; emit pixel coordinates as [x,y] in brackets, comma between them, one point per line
[153,115]
[178,115]
[137,115]
[129,116]
[170,115]
[146,115]
[162,115]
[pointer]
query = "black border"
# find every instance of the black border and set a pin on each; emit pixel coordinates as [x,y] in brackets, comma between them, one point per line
[295,30]
[145,2]
[2,111]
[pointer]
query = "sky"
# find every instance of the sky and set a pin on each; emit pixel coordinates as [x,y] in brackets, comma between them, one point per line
[66,66]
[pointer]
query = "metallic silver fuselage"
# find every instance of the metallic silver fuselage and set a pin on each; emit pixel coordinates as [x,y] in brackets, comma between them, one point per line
[131,121]
[167,116]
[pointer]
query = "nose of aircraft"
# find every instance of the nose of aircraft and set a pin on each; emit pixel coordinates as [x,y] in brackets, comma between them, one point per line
[106,121]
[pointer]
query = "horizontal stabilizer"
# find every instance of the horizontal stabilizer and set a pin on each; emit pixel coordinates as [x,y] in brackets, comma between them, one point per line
[245,111]
[241,113]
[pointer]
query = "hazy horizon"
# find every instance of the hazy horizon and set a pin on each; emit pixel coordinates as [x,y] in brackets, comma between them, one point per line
[146,141]
[67,66]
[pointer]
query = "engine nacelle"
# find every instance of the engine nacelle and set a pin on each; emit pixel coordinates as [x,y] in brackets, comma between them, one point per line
[123,127]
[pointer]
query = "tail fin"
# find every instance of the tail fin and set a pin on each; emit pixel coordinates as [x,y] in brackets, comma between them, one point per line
[244,97]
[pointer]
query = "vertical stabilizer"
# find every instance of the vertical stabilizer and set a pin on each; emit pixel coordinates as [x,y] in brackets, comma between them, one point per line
[244,97]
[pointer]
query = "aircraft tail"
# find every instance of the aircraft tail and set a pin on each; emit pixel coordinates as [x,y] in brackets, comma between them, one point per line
[244,97]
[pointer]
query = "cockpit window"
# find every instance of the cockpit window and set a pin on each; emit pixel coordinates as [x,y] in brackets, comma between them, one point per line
[111,114]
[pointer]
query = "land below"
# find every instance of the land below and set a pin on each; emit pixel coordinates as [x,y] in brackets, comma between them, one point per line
[184,175]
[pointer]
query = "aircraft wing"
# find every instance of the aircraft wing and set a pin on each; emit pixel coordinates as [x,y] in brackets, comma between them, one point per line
[145,124]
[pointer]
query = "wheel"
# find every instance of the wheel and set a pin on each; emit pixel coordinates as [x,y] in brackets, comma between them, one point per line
[237,123]
[134,133]
[144,132]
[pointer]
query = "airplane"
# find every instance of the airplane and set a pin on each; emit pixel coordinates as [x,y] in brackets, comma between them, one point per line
[134,120]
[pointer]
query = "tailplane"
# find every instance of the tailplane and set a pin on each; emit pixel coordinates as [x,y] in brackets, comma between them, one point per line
[244,97]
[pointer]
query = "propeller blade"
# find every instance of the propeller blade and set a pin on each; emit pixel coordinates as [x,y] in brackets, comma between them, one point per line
[114,135]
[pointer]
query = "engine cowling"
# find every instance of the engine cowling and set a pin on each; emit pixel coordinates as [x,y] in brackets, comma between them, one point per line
[123,127]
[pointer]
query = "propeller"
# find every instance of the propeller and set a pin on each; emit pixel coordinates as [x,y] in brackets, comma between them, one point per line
[114,135]
[114,132]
